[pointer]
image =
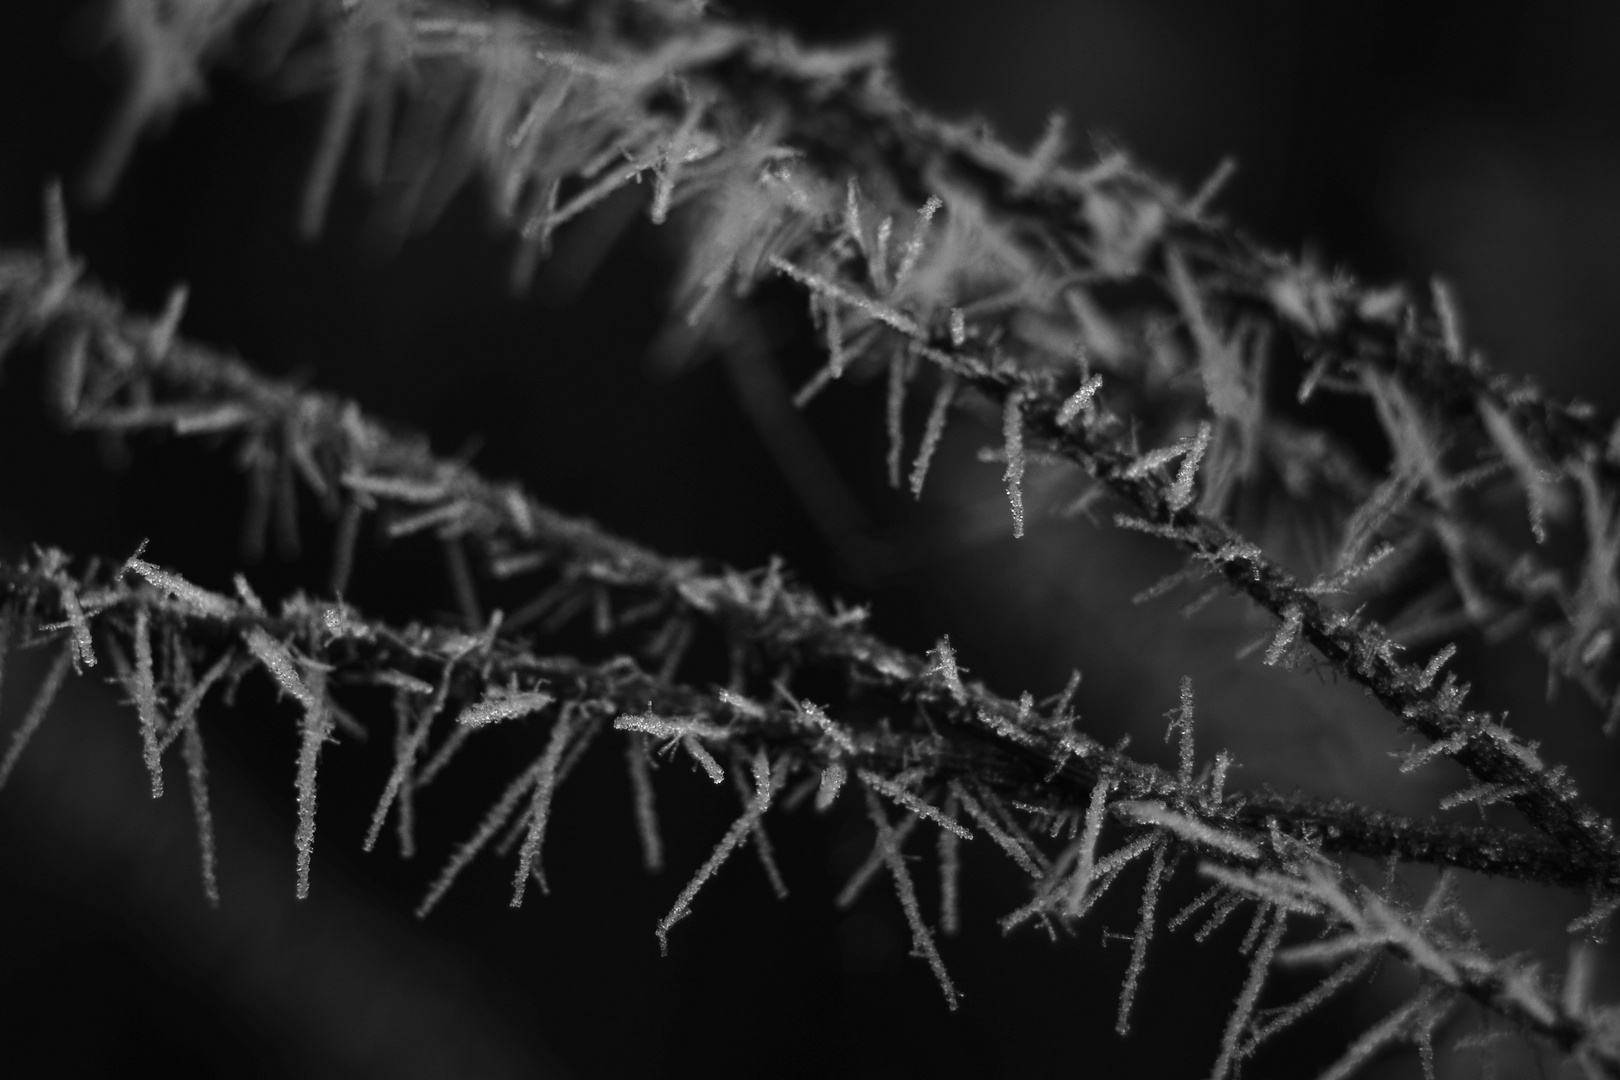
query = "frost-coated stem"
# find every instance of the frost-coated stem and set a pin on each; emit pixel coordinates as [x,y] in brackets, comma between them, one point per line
[778,159]
[783,620]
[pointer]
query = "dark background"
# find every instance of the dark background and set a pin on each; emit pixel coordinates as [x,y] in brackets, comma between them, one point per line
[1481,142]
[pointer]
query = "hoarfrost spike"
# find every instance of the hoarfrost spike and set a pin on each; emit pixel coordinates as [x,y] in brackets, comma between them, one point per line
[196,599]
[48,687]
[895,414]
[832,782]
[1386,1031]
[1211,187]
[317,728]
[191,749]
[1542,495]
[641,786]
[1012,433]
[540,810]
[1287,635]
[1259,963]
[1190,829]
[1181,492]
[58,255]
[278,662]
[1280,1020]
[856,885]
[1445,308]
[945,664]
[1144,933]
[922,939]
[837,355]
[1184,724]
[468,850]
[933,430]
[69,364]
[763,784]
[950,872]
[914,246]
[410,735]
[1081,882]
[343,102]
[762,842]
[461,582]
[702,756]
[1197,904]
[906,799]
[1079,401]
[161,338]
[84,650]
[680,149]
[503,706]
[144,691]
[1002,839]
[1045,155]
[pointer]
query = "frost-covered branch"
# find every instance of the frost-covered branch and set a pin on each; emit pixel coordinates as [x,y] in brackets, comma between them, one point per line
[1439,944]
[562,113]
[103,361]
[432,663]
[933,254]
[311,649]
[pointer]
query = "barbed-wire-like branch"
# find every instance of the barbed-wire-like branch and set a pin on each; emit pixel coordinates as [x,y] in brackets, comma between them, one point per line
[831,156]
[312,648]
[931,252]
[106,364]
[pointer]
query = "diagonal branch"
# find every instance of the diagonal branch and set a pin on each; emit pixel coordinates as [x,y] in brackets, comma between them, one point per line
[189,389]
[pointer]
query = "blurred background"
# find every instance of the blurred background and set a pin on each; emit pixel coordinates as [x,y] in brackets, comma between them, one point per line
[1401,140]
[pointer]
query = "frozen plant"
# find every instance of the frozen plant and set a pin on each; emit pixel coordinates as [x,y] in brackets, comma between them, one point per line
[967,275]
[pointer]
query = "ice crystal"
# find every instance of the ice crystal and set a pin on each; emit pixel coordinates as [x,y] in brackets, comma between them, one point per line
[1190,829]
[1018,851]
[1144,933]
[856,884]
[950,872]
[315,730]
[763,784]
[144,689]
[1397,1024]
[1079,401]
[1181,492]
[762,842]
[1087,851]
[933,429]
[1012,433]
[921,938]
[491,824]
[906,799]
[43,697]
[894,415]
[190,596]
[1183,723]
[832,782]
[945,665]
[1278,1020]
[498,706]
[1282,646]
[545,783]
[1248,997]
[639,767]
[191,749]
